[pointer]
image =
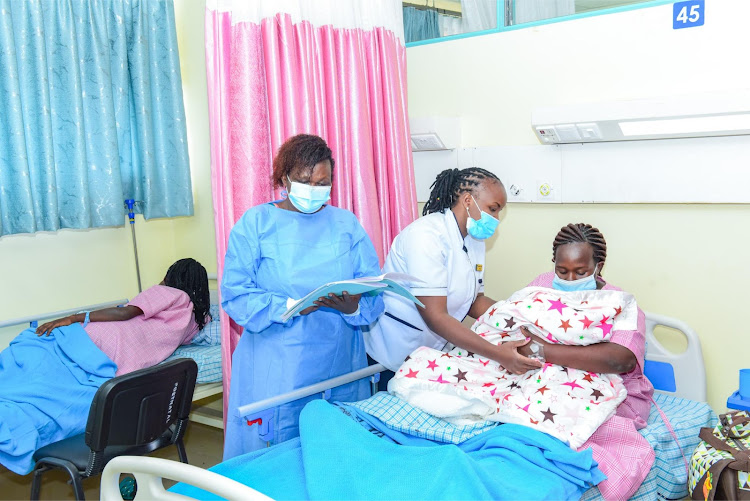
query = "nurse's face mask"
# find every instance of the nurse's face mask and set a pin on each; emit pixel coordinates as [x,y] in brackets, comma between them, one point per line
[308,198]
[481,228]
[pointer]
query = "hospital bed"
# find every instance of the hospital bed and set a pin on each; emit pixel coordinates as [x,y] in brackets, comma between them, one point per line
[679,379]
[207,355]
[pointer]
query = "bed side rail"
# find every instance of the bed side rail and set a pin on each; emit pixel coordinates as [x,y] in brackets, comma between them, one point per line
[32,319]
[678,374]
[149,473]
[260,413]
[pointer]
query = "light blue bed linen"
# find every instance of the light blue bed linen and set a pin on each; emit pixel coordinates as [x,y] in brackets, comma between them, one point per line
[46,388]
[666,480]
[336,458]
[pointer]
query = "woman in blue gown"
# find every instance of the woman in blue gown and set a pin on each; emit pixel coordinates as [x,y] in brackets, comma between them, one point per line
[279,252]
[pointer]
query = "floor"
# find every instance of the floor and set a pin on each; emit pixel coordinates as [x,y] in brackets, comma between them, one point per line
[203,445]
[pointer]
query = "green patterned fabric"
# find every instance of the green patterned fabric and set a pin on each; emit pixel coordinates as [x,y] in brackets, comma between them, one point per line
[705,455]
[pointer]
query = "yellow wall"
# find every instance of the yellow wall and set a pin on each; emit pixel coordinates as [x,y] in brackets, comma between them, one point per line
[194,237]
[70,268]
[53,271]
[685,261]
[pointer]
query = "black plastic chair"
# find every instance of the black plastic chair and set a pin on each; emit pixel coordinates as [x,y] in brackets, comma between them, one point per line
[133,414]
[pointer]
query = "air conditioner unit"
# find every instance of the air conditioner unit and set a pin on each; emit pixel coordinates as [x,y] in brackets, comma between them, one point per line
[705,115]
[435,133]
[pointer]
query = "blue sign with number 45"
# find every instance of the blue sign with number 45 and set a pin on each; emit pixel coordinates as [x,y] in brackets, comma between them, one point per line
[689,14]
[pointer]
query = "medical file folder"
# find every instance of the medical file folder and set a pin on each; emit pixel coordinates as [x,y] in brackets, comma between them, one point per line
[388,282]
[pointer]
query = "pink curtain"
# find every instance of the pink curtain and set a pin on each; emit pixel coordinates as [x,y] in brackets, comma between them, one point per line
[335,68]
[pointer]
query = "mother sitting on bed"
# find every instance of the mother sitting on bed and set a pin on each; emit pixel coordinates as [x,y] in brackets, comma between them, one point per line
[590,393]
[579,252]
[48,376]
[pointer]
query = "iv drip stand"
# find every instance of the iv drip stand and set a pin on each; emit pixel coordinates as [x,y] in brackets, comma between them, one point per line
[130,203]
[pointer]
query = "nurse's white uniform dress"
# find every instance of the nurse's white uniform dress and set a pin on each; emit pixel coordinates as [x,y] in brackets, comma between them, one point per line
[433,250]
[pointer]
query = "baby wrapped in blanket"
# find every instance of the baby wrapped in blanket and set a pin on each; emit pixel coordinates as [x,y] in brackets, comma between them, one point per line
[567,403]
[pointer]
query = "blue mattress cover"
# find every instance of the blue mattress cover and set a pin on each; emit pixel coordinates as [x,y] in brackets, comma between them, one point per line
[208,359]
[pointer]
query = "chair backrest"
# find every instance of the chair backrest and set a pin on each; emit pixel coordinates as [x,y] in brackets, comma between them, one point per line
[139,407]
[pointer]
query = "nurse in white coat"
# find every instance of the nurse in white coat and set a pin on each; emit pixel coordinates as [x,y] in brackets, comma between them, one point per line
[445,249]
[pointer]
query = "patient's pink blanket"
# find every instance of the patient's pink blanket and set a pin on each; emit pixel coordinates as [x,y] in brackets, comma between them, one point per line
[566,403]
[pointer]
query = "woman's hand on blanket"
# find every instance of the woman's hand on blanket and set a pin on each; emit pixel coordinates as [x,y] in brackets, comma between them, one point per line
[526,349]
[45,329]
[514,361]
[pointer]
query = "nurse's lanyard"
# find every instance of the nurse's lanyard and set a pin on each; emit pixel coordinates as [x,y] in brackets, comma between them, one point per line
[471,265]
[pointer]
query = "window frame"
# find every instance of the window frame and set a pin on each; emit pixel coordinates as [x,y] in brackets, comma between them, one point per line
[501,21]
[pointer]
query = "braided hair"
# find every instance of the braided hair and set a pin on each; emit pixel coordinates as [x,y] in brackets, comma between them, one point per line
[582,233]
[190,276]
[449,185]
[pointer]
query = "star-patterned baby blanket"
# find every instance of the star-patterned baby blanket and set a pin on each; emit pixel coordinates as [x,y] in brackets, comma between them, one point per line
[567,403]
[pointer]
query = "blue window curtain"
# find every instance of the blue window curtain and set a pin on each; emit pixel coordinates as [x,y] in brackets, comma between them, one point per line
[91,113]
[420,24]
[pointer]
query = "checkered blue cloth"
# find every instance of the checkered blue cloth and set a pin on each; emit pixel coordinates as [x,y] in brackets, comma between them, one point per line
[666,480]
[210,334]
[668,477]
[205,349]
[208,359]
[400,416]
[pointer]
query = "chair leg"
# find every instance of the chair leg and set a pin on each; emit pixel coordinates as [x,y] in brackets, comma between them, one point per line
[75,479]
[77,482]
[181,451]
[36,482]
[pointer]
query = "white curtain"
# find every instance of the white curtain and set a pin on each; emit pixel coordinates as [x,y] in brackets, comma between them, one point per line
[526,11]
[479,15]
[476,15]
[449,25]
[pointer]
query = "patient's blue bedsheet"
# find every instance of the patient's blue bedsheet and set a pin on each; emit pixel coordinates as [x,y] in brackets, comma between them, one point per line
[337,458]
[46,388]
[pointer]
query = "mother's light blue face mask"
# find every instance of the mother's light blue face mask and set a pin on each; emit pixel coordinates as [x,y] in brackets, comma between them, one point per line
[582,284]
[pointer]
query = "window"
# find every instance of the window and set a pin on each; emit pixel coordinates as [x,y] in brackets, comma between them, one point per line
[431,19]
[427,21]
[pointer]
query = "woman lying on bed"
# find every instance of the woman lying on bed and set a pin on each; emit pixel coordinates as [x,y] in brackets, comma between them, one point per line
[590,393]
[48,376]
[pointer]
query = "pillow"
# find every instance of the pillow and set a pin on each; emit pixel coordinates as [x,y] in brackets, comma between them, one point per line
[210,334]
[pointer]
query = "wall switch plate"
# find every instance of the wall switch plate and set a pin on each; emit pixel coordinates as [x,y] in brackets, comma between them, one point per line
[426,142]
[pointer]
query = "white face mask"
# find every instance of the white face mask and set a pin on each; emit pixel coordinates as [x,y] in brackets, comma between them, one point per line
[308,198]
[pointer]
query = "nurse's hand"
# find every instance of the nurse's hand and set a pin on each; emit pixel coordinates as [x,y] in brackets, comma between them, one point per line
[344,303]
[513,361]
[309,310]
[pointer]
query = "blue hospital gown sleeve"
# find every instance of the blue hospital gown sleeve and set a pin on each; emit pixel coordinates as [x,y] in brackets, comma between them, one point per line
[365,261]
[247,304]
